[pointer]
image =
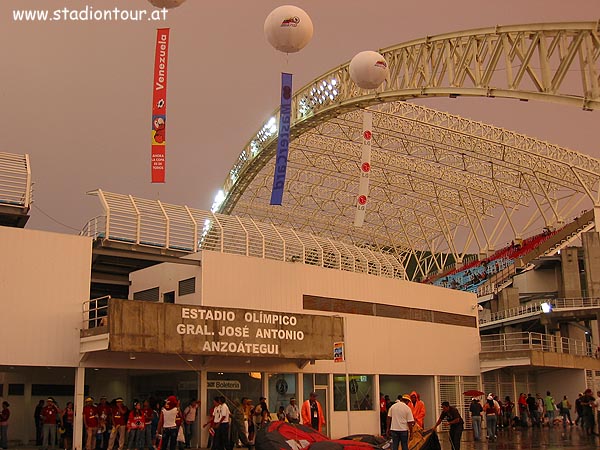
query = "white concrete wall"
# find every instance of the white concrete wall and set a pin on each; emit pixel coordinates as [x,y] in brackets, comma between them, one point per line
[373,344]
[411,350]
[21,424]
[535,281]
[561,382]
[44,280]
[167,276]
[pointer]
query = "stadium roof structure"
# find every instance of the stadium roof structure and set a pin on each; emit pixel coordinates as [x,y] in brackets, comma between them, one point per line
[440,184]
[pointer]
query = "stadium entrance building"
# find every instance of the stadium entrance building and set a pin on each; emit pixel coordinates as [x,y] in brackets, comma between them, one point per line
[233,325]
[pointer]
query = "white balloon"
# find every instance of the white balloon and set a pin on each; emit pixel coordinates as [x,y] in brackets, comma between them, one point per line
[369,69]
[166,3]
[288,29]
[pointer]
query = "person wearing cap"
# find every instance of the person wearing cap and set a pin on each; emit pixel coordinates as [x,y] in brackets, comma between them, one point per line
[119,421]
[400,421]
[292,412]
[455,421]
[90,423]
[50,415]
[312,413]
[167,424]
[221,425]
[476,409]
[491,409]
[417,406]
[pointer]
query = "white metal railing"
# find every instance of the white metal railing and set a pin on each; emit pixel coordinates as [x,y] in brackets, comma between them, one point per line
[533,308]
[155,224]
[15,180]
[95,313]
[508,342]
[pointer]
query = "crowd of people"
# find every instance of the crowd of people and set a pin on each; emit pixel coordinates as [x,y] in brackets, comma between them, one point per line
[535,411]
[113,425]
[399,419]
[237,422]
[151,424]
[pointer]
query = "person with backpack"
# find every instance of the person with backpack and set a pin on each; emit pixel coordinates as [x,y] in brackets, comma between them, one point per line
[565,411]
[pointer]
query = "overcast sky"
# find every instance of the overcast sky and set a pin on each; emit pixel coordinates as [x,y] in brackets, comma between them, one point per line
[76,96]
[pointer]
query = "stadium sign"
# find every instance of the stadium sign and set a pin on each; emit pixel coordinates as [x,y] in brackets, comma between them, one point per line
[201,330]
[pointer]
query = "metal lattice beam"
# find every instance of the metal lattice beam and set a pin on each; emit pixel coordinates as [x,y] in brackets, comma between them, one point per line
[434,174]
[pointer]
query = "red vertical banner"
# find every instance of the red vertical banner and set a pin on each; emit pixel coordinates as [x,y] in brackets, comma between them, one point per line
[159,105]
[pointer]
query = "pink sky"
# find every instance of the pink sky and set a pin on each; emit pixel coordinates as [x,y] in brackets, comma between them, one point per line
[76,96]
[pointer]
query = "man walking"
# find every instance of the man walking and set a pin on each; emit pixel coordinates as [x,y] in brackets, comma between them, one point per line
[549,407]
[189,416]
[400,422]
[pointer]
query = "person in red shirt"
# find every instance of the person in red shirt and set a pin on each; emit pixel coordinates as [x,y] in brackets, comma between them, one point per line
[383,413]
[149,414]
[119,421]
[90,421]
[50,415]
[104,417]
[135,427]
[417,407]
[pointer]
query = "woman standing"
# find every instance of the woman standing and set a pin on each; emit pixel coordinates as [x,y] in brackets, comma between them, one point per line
[67,420]
[167,424]
[507,411]
[4,416]
[136,424]
[492,410]
[476,409]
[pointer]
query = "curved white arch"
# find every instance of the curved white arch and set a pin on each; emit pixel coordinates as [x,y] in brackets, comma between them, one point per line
[434,173]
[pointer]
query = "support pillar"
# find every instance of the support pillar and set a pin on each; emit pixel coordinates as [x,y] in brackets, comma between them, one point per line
[569,263]
[78,419]
[591,257]
[196,441]
[508,298]
[204,408]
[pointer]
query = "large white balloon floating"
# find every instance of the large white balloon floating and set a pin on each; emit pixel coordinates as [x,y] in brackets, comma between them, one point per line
[369,69]
[166,3]
[288,29]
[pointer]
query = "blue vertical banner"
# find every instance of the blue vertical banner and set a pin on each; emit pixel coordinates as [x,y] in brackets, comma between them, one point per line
[283,139]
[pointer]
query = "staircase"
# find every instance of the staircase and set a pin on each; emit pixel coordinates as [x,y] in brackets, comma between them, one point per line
[559,240]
